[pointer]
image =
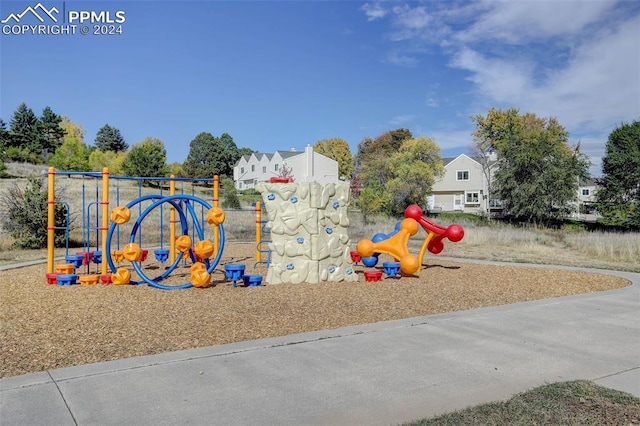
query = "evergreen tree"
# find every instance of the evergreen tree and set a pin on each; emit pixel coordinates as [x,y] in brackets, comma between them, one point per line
[210,156]
[109,138]
[618,198]
[4,138]
[50,130]
[24,134]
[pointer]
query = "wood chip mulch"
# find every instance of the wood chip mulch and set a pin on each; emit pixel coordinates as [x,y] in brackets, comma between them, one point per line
[49,326]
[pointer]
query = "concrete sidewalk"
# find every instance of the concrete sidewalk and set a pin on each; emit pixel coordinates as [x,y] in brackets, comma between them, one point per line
[375,374]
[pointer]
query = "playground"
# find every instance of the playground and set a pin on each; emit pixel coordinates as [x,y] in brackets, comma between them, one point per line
[51,326]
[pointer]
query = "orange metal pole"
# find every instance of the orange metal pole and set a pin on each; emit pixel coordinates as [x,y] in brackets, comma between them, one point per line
[172,222]
[51,221]
[258,231]
[216,201]
[104,228]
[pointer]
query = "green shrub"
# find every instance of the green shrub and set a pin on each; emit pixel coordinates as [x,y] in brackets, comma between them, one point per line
[24,214]
[231,200]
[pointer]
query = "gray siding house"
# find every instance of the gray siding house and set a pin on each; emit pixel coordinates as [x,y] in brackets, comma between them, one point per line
[306,166]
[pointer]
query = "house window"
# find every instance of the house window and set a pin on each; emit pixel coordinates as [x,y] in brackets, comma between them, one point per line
[253,167]
[472,197]
[585,192]
[495,203]
[462,175]
[241,169]
[276,167]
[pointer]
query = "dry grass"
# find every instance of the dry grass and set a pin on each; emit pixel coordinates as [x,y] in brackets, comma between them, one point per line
[570,403]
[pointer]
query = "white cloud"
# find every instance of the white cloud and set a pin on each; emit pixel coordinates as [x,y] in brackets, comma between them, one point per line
[459,139]
[432,102]
[400,59]
[373,11]
[578,61]
[523,21]
[402,119]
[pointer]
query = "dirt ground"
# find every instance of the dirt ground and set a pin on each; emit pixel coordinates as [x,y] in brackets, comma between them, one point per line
[49,326]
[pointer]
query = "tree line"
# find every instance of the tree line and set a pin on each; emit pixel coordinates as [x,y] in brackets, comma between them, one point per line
[536,174]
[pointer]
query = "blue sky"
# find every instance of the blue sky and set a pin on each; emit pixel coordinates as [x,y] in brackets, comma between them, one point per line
[281,74]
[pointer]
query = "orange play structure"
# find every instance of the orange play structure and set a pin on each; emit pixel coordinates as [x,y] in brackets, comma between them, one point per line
[397,245]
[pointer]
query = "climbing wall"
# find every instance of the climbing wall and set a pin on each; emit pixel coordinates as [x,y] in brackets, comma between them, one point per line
[309,239]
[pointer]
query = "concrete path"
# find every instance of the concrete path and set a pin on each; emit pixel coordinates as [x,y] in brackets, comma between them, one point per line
[376,374]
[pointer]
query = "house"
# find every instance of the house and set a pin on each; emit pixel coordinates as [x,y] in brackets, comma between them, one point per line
[585,209]
[464,187]
[306,166]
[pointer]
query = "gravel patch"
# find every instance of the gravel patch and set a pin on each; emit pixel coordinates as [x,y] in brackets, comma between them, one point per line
[48,326]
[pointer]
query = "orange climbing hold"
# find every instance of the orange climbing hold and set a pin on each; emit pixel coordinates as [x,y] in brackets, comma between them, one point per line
[120,215]
[215,216]
[132,252]
[199,275]
[203,249]
[121,277]
[183,243]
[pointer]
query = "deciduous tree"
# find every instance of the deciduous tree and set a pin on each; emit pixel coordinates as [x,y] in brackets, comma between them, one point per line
[72,129]
[538,172]
[146,159]
[337,149]
[618,198]
[98,160]
[383,145]
[72,155]
[405,176]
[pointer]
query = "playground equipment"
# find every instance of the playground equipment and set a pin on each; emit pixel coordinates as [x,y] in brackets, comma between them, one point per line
[308,224]
[396,244]
[263,238]
[108,227]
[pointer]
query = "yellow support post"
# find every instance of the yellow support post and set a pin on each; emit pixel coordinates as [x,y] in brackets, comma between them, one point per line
[258,231]
[172,222]
[51,222]
[104,228]
[216,200]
